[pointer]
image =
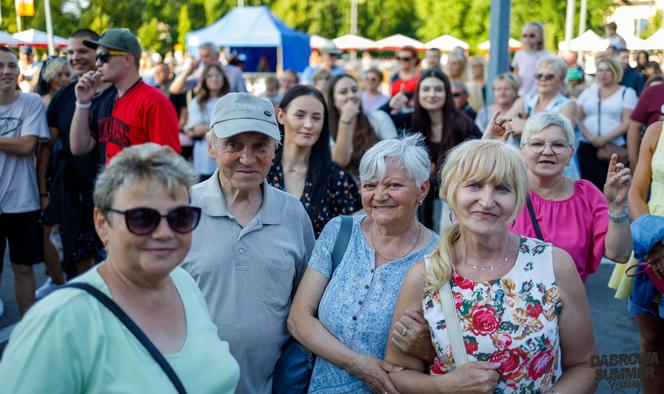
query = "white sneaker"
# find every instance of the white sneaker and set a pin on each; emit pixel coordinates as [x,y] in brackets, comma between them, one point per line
[45,289]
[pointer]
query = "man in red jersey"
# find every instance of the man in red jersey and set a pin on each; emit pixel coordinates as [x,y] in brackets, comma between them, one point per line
[138,113]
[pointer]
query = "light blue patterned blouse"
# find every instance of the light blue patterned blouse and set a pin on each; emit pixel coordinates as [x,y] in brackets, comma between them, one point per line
[358,302]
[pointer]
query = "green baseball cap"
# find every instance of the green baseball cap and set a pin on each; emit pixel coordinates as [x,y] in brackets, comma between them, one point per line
[118,40]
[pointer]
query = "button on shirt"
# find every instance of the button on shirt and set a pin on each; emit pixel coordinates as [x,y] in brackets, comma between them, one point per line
[248,275]
[358,302]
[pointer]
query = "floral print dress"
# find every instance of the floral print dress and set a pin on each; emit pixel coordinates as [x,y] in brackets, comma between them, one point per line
[512,320]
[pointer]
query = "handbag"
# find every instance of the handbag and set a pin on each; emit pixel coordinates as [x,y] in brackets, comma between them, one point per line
[605,152]
[293,370]
[133,328]
[453,325]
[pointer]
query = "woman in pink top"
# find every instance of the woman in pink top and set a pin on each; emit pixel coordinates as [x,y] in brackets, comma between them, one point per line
[573,215]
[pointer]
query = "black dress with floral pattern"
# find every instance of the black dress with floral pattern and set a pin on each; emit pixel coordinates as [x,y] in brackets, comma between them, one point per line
[341,195]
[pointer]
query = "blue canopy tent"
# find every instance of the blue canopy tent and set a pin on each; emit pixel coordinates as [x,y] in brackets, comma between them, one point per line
[256,33]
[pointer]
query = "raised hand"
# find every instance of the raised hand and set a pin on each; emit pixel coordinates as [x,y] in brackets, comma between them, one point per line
[618,179]
[86,87]
[498,128]
[399,100]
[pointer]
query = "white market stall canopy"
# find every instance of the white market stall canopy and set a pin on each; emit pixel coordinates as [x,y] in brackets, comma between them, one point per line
[656,41]
[589,41]
[318,42]
[398,41]
[635,43]
[351,42]
[447,43]
[39,39]
[6,39]
[514,45]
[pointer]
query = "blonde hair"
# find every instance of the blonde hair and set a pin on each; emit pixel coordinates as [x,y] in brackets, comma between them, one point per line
[482,161]
[510,79]
[616,70]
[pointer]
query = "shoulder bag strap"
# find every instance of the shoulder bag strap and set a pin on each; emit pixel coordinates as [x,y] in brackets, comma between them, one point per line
[453,326]
[599,111]
[533,219]
[341,244]
[138,333]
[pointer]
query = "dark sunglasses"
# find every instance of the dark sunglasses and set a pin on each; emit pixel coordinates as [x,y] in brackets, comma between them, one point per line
[457,94]
[528,35]
[544,77]
[103,57]
[143,221]
[404,58]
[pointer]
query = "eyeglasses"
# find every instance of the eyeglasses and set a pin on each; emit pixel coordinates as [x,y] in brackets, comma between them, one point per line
[371,79]
[143,221]
[557,148]
[525,35]
[545,77]
[404,58]
[457,94]
[104,57]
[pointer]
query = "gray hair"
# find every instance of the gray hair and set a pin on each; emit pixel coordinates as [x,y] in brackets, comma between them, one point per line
[54,66]
[459,85]
[210,46]
[409,153]
[148,161]
[542,120]
[556,63]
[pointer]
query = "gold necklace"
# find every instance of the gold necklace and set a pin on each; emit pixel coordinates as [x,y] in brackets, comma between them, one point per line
[417,240]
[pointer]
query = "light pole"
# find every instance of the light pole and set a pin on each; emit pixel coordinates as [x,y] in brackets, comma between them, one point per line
[499,34]
[49,27]
[569,21]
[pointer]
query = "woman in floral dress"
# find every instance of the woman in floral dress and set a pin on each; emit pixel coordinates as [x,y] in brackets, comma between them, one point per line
[522,310]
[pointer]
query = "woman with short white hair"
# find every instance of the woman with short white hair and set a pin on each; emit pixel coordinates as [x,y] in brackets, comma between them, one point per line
[343,314]
[507,313]
[573,215]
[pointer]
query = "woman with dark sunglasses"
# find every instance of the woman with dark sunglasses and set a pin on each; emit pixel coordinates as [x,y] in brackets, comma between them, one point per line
[76,345]
[525,60]
[404,82]
[372,97]
[550,74]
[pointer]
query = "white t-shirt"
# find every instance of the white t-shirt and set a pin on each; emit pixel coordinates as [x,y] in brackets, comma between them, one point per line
[526,63]
[18,179]
[612,110]
[203,163]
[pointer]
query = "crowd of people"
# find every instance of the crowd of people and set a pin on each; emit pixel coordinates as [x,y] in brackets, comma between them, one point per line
[348,231]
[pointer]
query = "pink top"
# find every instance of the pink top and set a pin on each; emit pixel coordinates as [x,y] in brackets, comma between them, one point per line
[577,224]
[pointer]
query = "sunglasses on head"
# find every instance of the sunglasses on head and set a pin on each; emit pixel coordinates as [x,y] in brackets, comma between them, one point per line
[544,77]
[404,58]
[143,221]
[103,57]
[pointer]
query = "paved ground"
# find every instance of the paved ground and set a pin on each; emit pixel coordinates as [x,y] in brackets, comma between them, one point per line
[615,330]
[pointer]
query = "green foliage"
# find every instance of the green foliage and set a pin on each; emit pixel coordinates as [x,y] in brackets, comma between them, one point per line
[162,23]
[184,24]
[654,24]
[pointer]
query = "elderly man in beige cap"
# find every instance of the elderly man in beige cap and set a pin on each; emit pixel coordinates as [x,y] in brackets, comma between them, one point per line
[253,241]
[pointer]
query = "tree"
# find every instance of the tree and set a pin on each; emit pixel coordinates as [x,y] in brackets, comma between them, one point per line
[654,24]
[184,24]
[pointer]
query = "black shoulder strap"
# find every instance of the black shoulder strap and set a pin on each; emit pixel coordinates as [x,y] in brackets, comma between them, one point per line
[341,243]
[138,333]
[533,219]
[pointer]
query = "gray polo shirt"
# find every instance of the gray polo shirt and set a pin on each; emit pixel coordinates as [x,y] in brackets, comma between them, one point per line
[249,274]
